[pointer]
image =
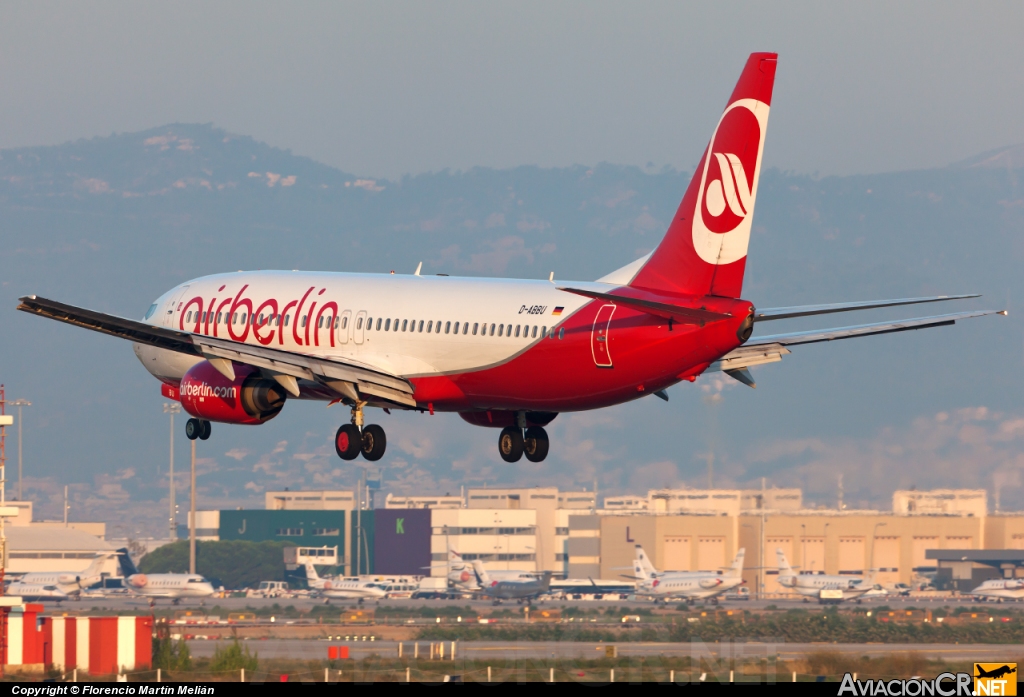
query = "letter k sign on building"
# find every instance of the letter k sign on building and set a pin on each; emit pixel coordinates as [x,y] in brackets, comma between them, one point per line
[399,526]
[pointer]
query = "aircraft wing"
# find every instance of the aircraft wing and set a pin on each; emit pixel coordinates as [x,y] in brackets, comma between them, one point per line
[771,348]
[346,377]
[809,310]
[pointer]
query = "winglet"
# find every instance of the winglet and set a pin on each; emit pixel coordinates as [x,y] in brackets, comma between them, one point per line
[419,267]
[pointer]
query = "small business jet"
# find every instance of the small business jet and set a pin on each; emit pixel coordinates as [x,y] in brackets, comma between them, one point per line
[462,577]
[66,582]
[519,589]
[824,587]
[508,354]
[1000,589]
[688,585]
[174,587]
[343,588]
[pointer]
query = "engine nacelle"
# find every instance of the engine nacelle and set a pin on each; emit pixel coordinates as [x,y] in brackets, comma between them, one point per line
[67,579]
[709,583]
[248,399]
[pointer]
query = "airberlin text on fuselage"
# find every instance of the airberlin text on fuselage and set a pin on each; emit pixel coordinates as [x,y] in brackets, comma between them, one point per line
[191,389]
[263,330]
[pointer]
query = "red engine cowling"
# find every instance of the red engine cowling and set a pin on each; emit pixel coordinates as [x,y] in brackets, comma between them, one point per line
[248,399]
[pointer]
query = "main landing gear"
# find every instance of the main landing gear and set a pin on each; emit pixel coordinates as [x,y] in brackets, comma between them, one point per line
[197,428]
[514,442]
[354,438]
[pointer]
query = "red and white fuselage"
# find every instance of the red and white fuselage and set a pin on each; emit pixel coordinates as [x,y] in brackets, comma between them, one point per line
[466,344]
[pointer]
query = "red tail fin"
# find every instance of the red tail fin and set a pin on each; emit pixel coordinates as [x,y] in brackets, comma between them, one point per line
[704,251]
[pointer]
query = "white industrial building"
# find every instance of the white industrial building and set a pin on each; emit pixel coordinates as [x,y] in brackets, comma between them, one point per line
[43,548]
[501,539]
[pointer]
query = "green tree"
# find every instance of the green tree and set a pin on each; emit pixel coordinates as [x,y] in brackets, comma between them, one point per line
[169,655]
[235,563]
[233,658]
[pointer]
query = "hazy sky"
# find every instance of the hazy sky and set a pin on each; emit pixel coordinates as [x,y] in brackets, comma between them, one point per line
[391,88]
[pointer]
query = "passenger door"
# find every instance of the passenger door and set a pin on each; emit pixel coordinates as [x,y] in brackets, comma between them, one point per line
[599,337]
[168,315]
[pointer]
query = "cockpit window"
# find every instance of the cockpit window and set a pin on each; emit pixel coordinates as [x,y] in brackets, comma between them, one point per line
[150,311]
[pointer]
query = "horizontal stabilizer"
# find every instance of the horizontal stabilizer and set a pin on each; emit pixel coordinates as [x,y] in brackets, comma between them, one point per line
[676,313]
[770,349]
[809,310]
[818,335]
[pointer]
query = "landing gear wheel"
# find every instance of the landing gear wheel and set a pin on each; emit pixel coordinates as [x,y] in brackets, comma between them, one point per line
[207,430]
[510,444]
[348,442]
[193,429]
[535,444]
[374,442]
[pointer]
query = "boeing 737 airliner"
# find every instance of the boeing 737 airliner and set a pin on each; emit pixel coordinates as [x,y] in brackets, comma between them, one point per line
[502,353]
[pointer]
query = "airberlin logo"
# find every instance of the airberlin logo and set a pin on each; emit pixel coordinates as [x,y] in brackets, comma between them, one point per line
[191,389]
[728,185]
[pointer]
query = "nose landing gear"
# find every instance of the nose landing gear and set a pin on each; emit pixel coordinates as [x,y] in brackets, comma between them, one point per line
[198,428]
[513,444]
[353,438]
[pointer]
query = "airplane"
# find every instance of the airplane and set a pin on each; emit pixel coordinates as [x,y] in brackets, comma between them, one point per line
[825,587]
[37,592]
[644,569]
[690,585]
[508,354]
[1000,589]
[153,586]
[510,589]
[995,673]
[461,576]
[67,582]
[343,588]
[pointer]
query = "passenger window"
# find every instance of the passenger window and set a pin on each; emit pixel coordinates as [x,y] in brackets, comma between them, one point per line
[447,327]
[245,317]
[287,318]
[420,329]
[218,317]
[475,325]
[304,320]
[456,327]
[501,329]
[492,329]
[369,324]
[359,323]
[465,328]
[378,324]
[430,326]
[405,324]
[517,331]
[561,333]
[387,325]
[344,322]
[535,332]
[277,320]
[396,325]
[437,327]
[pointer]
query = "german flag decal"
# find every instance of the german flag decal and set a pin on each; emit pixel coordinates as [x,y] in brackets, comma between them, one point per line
[557,311]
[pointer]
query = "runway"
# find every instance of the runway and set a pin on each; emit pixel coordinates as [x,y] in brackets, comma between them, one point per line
[306,649]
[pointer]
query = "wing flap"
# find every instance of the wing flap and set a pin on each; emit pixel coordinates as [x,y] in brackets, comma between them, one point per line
[809,310]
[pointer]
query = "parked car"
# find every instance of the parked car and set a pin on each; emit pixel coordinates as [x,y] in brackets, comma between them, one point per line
[741,593]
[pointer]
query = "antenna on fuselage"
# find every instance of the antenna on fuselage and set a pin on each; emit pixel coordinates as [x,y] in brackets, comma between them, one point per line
[419,267]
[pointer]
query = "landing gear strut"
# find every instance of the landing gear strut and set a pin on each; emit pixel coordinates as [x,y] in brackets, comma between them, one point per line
[353,438]
[198,428]
[513,443]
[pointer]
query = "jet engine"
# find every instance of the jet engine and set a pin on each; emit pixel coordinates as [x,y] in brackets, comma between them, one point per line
[248,399]
[68,579]
[709,583]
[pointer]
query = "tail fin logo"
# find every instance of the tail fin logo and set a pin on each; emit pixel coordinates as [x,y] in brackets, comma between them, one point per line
[728,187]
